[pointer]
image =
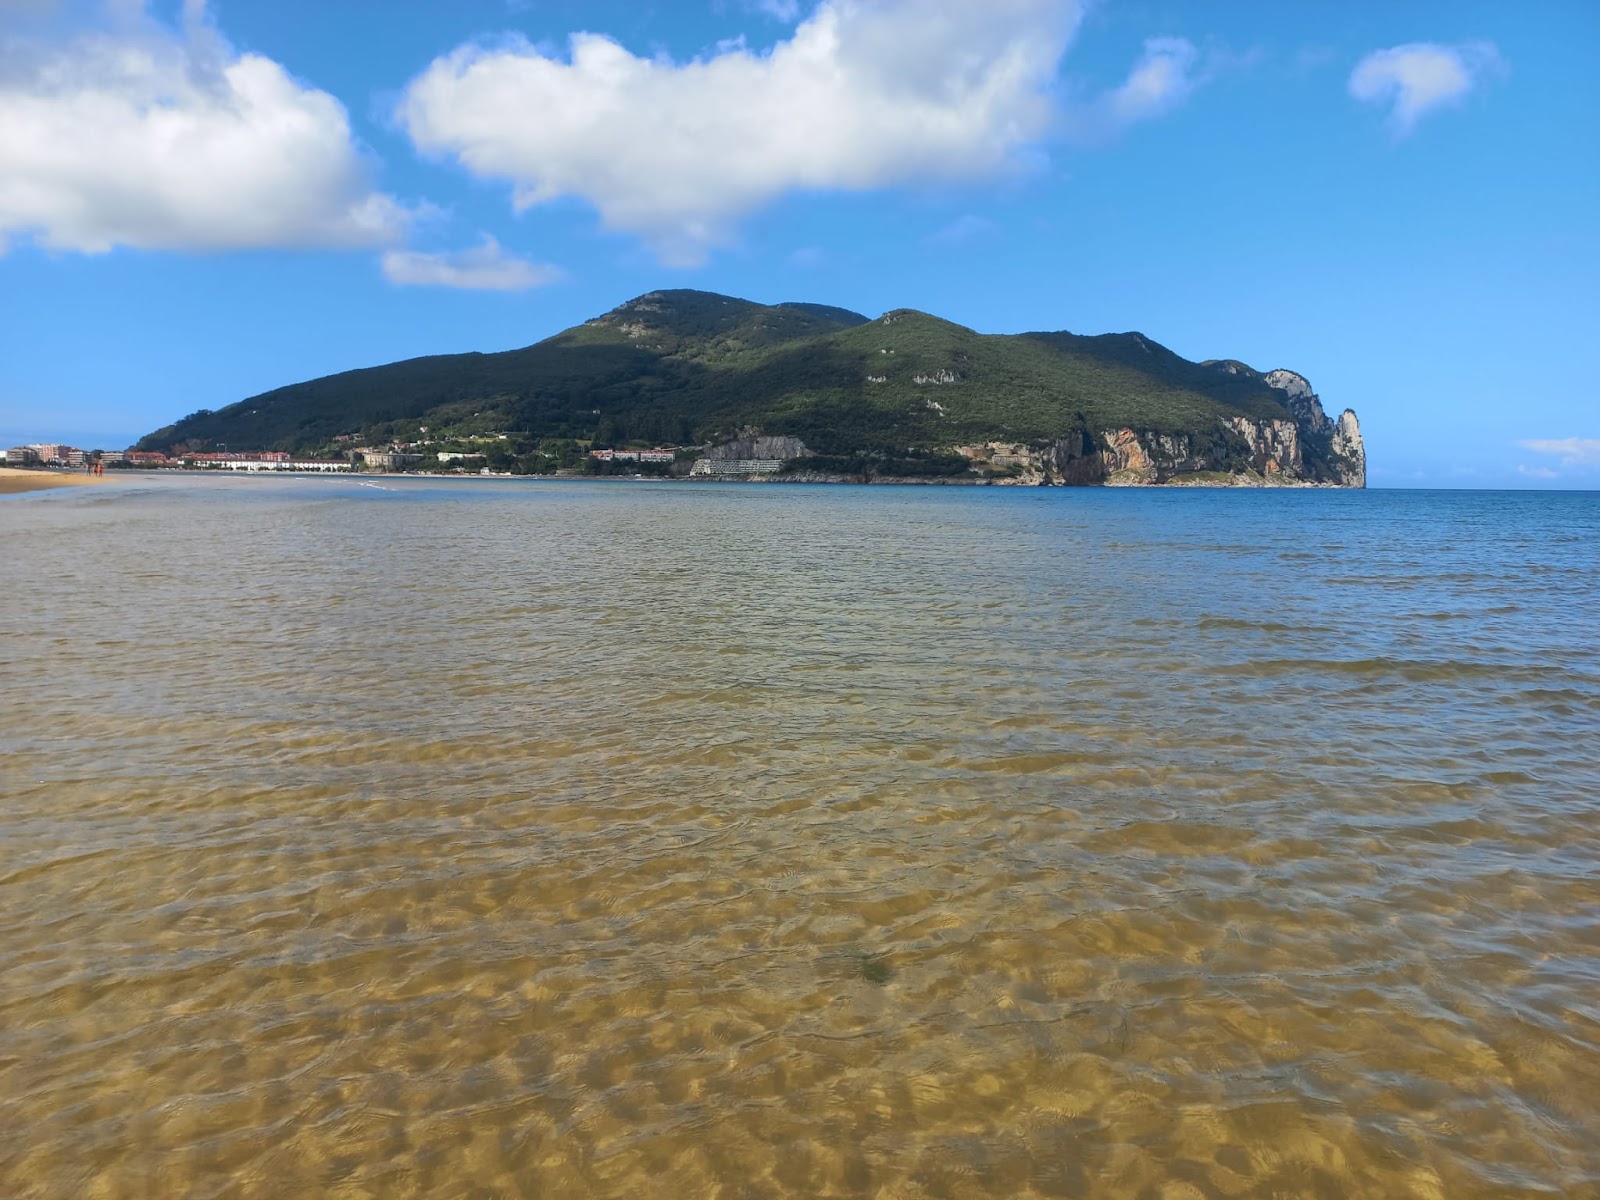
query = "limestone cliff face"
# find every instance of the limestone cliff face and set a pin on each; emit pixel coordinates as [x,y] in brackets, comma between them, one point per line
[1069,461]
[1347,463]
[1305,448]
[757,446]
[1130,456]
[1250,452]
[1240,452]
[1074,462]
[1348,445]
[1330,451]
[1302,401]
[1274,445]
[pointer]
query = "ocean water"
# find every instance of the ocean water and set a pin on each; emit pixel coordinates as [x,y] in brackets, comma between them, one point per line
[532,838]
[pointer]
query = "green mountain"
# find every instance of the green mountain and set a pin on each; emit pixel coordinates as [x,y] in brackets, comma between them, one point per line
[692,368]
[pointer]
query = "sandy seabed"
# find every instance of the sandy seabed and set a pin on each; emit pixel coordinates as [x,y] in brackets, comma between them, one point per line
[513,837]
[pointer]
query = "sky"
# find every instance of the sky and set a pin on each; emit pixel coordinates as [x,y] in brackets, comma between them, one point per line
[1400,200]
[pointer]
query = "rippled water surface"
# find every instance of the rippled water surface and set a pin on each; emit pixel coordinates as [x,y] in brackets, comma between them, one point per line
[556,839]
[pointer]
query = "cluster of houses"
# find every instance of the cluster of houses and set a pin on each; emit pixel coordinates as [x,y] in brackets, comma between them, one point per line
[266,461]
[736,466]
[56,454]
[661,454]
[59,454]
[49,454]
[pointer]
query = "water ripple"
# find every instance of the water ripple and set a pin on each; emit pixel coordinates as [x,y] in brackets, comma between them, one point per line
[522,838]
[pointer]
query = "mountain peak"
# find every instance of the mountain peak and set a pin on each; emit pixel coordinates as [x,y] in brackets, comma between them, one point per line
[682,366]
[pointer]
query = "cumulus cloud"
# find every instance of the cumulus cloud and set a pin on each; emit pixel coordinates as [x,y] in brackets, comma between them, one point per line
[154,139]
[1166,74]
[485,267]
[1160,81]
[779,10]
[1416,79]
[962,230]
[865,94]
[1572,451]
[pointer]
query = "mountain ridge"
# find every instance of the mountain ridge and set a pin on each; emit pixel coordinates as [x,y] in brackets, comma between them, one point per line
[689,367]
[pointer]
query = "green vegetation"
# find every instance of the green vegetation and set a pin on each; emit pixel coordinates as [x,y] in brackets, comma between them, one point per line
[874,968]
[891,396]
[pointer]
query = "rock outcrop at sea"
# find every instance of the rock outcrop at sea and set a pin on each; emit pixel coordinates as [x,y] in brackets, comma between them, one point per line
[1347,443]
[1344,434]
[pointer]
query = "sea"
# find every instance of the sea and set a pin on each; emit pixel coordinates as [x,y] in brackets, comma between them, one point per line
[388,837]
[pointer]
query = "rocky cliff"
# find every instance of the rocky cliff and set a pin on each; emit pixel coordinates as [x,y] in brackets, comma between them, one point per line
[755,446]
[1335,445]
[1310,450]
[1349,447]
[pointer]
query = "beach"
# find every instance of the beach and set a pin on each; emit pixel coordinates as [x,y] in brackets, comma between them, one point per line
[17,479]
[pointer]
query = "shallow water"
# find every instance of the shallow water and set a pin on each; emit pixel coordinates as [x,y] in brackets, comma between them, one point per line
[533,838]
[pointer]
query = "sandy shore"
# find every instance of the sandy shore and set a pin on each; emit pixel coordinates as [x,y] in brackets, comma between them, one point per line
[15,479]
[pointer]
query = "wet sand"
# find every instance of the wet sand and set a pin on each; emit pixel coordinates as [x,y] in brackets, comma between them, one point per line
[16,479]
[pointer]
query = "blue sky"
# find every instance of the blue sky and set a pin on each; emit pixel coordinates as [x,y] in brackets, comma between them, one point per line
[1399,200]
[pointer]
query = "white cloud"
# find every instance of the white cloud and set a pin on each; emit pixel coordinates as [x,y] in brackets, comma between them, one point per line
[963,229]
[1537,472]
[1418,78]
[1160,81]
[1572,451]
[786,11]
[1166,74]
[148,138]
[865,94]
[24,7]
[485,267]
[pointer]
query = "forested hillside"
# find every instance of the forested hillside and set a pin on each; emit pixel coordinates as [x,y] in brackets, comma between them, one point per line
[688,367]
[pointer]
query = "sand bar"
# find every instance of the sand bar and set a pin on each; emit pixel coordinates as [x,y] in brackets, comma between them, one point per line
[17,479]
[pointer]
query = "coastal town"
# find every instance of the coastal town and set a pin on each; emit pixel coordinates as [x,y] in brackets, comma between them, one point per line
[1240,452]
[744,458]
[473,460]
[58,455]
[749,456]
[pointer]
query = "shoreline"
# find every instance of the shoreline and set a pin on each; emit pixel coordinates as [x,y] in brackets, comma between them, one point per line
[16,480]
[23,480]
[1250,481]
